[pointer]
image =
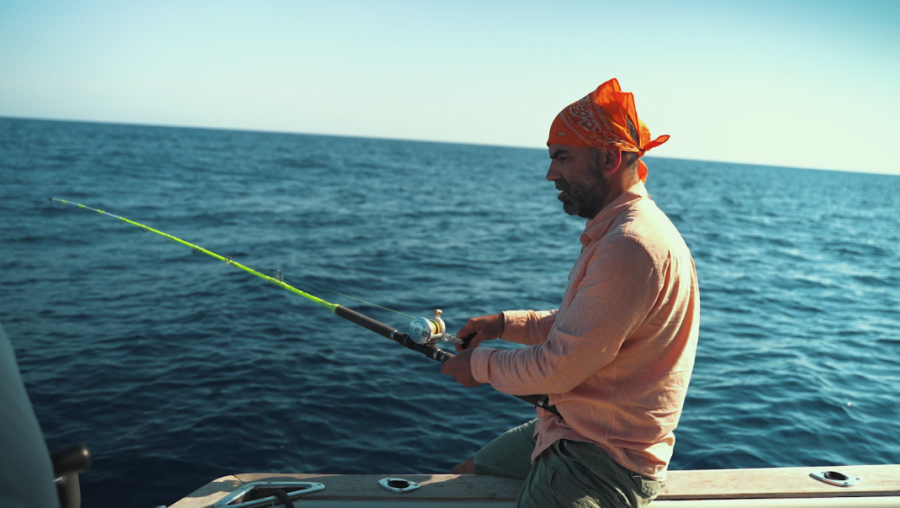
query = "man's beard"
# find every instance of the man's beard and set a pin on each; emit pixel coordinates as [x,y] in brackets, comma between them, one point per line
[584,199]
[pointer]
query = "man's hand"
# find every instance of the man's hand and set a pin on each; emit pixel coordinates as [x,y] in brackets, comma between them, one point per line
[485,328]
[460,367]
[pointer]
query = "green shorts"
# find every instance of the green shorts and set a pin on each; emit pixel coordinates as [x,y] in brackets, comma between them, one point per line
[568,474]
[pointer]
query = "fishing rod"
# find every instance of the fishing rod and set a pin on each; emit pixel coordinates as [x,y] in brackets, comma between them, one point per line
[423,333]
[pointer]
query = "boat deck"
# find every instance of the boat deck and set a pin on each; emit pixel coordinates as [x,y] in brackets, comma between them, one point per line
[773,487]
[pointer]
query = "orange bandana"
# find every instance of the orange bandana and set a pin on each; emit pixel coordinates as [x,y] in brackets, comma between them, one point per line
[605,118]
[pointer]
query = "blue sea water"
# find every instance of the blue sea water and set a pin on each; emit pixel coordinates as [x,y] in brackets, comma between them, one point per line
[176,369]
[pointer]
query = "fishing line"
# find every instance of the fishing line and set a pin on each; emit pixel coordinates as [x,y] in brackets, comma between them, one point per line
[278,280]
[196,248]
[424,333]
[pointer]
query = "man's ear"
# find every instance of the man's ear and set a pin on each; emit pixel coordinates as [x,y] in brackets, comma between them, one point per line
[611,161]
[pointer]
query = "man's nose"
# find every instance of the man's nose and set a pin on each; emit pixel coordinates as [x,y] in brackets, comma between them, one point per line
[552,173]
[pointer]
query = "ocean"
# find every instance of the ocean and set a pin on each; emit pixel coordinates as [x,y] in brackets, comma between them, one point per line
[176,369]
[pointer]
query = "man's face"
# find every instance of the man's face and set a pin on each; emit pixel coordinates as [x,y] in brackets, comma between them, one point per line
[576,172]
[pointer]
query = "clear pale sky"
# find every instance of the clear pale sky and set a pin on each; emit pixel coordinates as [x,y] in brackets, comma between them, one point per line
[809,84]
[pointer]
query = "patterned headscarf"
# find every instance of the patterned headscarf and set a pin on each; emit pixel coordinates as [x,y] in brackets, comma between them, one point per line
[606,118]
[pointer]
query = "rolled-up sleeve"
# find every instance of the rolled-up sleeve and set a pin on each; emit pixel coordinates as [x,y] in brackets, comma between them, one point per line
[619,287]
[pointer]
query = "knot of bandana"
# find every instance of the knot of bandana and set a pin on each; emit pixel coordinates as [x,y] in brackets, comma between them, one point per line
[606,118]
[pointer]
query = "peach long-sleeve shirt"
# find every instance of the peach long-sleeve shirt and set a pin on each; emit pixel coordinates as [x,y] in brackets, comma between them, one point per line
[617,355]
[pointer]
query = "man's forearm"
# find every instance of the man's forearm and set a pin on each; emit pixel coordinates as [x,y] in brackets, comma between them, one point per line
[528,327]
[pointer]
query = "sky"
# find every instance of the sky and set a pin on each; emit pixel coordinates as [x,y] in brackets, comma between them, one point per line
[811,84]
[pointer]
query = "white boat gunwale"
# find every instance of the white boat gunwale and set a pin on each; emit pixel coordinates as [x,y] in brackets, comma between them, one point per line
[879,483]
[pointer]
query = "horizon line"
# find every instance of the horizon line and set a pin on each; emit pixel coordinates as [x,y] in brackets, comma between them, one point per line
[352,136]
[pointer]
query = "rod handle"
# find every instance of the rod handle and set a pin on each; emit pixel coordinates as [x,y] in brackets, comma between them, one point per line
[468,339]
[365,322]
[541,401]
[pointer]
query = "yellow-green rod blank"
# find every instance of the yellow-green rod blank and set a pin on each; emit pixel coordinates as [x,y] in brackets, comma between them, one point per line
[351,315]
[323,303]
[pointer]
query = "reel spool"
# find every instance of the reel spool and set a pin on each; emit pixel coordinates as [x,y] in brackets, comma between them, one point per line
[430,330]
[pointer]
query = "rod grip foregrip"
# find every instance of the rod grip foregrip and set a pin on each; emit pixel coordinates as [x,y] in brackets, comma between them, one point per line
[389,332]
[365,321]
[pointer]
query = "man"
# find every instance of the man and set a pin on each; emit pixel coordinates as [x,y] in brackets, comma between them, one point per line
[617,355]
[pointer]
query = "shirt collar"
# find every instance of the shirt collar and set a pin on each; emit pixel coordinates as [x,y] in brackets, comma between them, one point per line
[596,228]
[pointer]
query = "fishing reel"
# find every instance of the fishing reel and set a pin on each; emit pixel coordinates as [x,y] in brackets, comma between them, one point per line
[429,331]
